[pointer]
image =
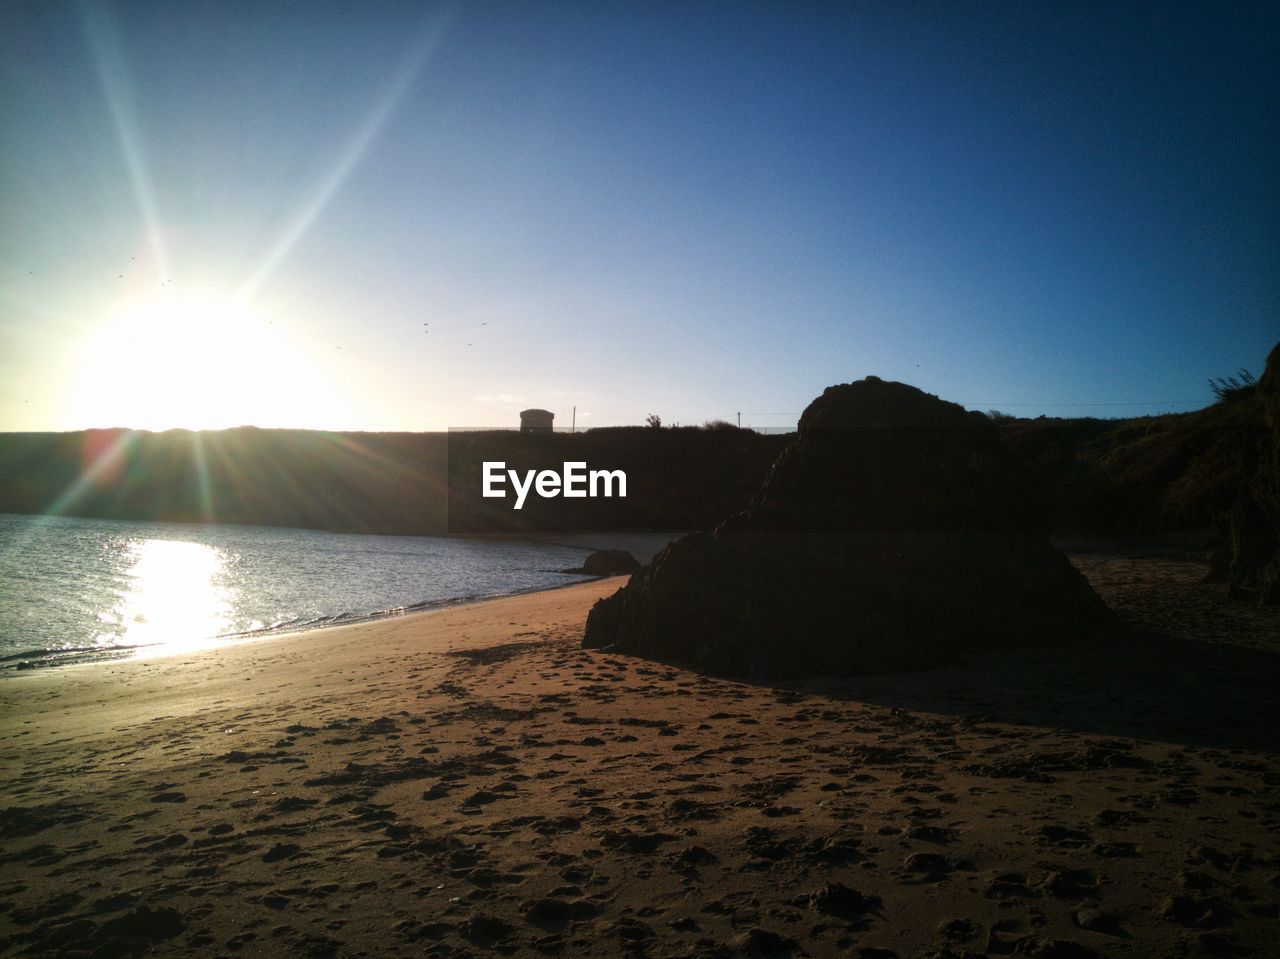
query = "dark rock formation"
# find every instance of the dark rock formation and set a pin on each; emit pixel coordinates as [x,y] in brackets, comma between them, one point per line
[894,533]
[1253,540]
[608,562]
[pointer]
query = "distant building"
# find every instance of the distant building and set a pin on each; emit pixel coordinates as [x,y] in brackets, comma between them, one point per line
[536,421]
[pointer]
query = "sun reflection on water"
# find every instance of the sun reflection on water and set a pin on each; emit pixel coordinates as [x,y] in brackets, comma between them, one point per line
[174,597]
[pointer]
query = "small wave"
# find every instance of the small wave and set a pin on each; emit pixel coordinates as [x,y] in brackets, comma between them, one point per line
[52,657]
[60,656]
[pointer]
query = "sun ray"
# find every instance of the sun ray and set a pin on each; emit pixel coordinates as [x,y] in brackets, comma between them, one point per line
[101,463]
[384,106]
[100,466]
[202,478]
[113,75]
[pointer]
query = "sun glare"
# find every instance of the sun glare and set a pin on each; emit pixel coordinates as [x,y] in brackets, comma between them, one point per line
[174,600]
[195,364]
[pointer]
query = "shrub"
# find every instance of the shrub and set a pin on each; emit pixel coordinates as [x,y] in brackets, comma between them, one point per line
[1228,389]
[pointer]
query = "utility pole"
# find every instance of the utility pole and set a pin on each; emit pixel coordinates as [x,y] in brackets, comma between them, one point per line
[573,428]
[739,419]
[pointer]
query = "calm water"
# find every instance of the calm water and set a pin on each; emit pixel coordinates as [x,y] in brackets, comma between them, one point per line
[75,589]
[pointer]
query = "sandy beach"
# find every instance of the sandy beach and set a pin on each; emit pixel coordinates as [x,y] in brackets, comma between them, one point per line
[699,481]
[470,781]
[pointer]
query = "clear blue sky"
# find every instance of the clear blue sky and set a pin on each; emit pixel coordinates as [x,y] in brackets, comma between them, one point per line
[219,213]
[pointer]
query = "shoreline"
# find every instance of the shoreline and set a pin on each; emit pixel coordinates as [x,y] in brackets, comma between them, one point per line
[642,544]
[109,654]
[321,642]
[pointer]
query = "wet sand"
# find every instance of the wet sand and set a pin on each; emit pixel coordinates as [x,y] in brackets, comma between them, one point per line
[469,782]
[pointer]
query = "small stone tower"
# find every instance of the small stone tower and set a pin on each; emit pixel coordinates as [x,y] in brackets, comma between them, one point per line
[536,421]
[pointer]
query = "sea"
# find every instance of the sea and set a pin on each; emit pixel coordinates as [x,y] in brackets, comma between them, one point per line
[82,590]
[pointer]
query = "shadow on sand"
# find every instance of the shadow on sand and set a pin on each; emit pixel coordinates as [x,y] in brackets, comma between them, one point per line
[1151,687]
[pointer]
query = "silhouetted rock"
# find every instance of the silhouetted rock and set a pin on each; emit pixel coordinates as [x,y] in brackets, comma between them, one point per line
[608,562]
[1253,542]
[894,533]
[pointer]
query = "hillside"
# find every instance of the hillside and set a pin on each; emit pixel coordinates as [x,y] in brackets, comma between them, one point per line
[399,483]
[1142,476]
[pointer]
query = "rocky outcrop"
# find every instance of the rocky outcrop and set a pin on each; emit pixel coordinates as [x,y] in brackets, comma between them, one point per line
[894,533]
[607,562]
[1253,539]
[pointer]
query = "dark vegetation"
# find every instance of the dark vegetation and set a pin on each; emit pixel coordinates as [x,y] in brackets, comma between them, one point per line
[349,482]
[1150,476]
[1207,478]
[1228,389]
[684,478]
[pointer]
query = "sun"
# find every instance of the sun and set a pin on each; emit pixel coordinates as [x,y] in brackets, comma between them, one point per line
[194,364]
